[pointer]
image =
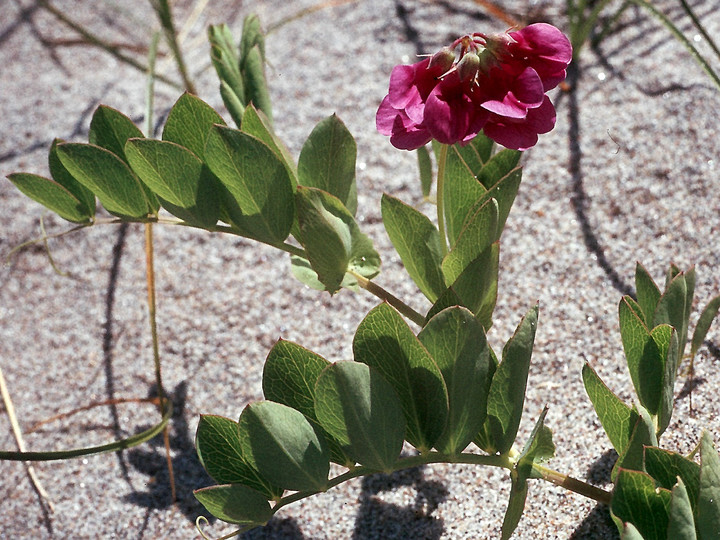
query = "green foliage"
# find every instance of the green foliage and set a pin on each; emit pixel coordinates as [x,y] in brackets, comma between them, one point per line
[617,419]
[185,187]
[327,161]
[235,504]
[262,194]
[539,447]
[361,410]
[190,122]
[418,244]
[333,242]
[385,342]
[289,377]
[430,390]
[507,390]
[54,196]
[110,129]
[636,500]
[477,235]
[708,500]
[476,288]
[217,442]
[440,389]
[675,498]
[110,178]
[457,343]
[241,72]
[425,170]
[282,444]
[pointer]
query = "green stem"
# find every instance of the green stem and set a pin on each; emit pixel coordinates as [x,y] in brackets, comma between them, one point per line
[574,485]
[150,268]
[440,199]
[162,8]
[690,13]
[583,25]
[500,461]
[674,30]
[388,297]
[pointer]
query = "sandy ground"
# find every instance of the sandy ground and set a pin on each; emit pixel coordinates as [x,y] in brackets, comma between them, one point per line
[629,174]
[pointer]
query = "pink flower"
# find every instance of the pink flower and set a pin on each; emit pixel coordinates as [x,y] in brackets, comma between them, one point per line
[497,85]
[545,49]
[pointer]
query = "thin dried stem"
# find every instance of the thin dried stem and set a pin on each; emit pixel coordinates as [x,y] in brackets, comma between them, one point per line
[17,433]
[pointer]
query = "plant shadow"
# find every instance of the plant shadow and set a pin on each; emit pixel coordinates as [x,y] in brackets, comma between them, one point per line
[379,519]
[598,521]
[150,459]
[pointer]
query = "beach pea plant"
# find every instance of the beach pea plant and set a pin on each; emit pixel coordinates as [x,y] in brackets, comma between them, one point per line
[427,382]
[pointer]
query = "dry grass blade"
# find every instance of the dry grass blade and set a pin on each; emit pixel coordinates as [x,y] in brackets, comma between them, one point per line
[17,433]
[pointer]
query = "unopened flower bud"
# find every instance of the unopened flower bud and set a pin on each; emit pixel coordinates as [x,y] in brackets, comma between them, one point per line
[499,45]
[443,60]
[468,66]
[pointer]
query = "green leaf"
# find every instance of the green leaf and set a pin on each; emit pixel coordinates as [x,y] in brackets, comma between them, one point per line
[708,504]
[666,339]
[681,524]
[642,354]
[235,504]
[504,192]
[252,35]
[226,61]
[477,153]
[189,123]
[362,411]
[674,305]
[499,166]
[666,466]
[617,419]
[479,233]
[671,273]
[232,103]
[262,205]
[62,176]
[418,243]
[633,455]
[648,294]
[256,89]
[290,374]
[327,161]
[332,239]
[476,288]
[461,191]
[538,448]
[629,532]
[516,506]
[110,129]
[457,343]
[637,501]
[703,325]
[507,390]
[217,442]
[53,196]
[425,170]
[110,178]
[255,123]
[184,185]
[284,446]
[289,377]
[384,341]
[474,182]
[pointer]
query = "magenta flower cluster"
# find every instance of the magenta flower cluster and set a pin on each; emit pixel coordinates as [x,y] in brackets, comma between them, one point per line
[497,84]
